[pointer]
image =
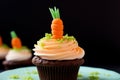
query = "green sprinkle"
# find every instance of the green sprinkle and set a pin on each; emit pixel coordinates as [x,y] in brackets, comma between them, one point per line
[60,40]
[28,78]
[23,47]
[28,72]
[80,75]
[14,76]
[48,36]
[94,73]
[66,37]
[42,44]
[5,46]
[107,75]
[34,72]
[59,46]
[93,77]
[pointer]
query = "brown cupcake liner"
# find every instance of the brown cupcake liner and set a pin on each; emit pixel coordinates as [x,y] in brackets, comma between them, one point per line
[58,72]
[1,65]
[68,72]
[57,69]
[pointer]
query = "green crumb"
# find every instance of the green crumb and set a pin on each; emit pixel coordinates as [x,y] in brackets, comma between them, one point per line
[108,75]
[23,47]
[80,75]
[42,44]
[48,36]
[59,46]
[28,78]
[60,40]
[65,37]
[94,76]
[17,49]
[5,46]
[28,72]
[15,76]
[34,72]
[94,73]
[69,37]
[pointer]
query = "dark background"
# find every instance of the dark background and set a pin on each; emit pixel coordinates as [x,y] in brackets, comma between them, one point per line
[94,23]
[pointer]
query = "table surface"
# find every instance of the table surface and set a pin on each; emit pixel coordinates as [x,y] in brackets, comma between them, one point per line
[110,67]
[85,72]
[115,68]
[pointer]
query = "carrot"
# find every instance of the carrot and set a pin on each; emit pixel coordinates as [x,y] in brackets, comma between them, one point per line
[15,42]
[57,24]
[1,43]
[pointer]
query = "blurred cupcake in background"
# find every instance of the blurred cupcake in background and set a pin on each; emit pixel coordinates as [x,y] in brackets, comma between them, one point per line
[3,51]
[18,55]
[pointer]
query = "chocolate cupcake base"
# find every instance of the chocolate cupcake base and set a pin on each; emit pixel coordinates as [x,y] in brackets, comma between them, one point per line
[57,70]
[16,64]
[1,65]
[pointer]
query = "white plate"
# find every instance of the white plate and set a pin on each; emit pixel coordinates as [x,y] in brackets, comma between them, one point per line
[85,73]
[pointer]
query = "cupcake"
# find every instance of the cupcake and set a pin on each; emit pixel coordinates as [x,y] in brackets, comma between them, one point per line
[18,55]
[3,52]
[57,56]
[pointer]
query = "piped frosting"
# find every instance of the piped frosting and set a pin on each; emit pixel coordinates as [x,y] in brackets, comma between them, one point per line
[62,49]
[3,51]
[18,55]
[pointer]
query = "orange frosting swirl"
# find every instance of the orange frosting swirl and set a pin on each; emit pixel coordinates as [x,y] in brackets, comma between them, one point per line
[51,49]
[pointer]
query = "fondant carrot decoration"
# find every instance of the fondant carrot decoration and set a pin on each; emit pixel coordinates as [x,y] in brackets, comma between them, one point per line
[57,24]
[1,43]
[15,42]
